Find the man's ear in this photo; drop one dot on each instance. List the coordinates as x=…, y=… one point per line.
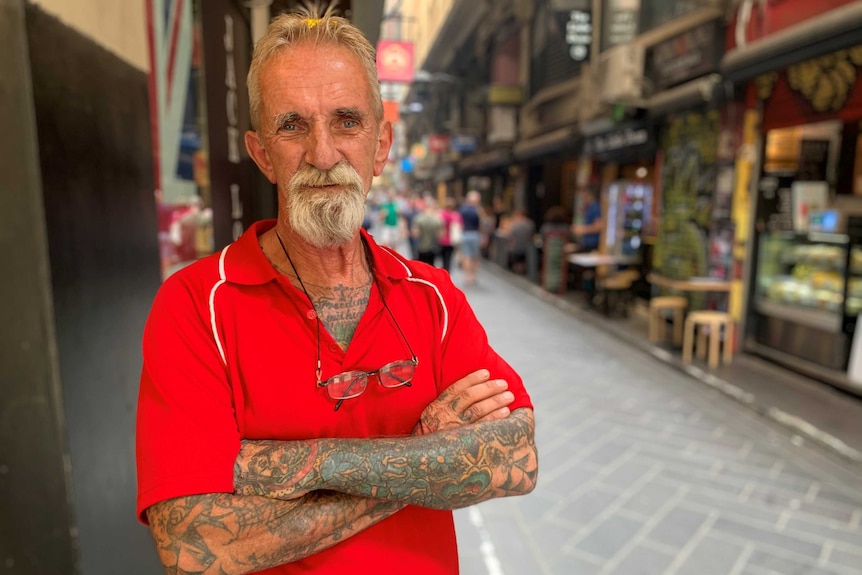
x=259, y=154
x=384, y=143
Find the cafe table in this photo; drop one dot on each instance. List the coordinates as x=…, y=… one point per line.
x=705, y=284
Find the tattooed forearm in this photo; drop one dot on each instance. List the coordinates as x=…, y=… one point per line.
x=225, y=534
x=444, y=470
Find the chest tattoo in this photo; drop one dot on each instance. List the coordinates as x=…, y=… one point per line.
x=340, y=309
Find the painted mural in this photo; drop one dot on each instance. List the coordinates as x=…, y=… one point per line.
x=689, y=175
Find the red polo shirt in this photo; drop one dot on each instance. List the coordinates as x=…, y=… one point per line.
x=230, y=353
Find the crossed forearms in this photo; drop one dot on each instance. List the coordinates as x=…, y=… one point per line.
x=466, y=448
x=224, y=534
x=448, y=469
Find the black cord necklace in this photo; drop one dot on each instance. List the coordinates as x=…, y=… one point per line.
x=365, y=249
x=318, y=371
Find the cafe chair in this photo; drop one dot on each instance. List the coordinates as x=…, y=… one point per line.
x=713, y=321
x=657, y=321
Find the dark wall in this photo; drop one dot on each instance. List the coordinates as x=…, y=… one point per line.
x=94, y=147
x=35, y=516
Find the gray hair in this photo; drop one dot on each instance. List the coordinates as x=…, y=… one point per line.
x=310, y=25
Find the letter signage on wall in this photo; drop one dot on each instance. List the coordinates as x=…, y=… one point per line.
x=227, y=54
x=579, y=34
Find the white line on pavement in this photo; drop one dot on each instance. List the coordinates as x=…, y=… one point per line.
x=486, y=545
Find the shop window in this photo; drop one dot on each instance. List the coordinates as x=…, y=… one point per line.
x=809, y=152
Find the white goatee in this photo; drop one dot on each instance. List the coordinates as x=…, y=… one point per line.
x=325, y=217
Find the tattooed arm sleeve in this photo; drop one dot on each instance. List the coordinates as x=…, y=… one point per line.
x=447, y=469
x=226, y=534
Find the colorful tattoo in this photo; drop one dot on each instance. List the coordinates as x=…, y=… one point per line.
x=224, y=534
x=445, y=470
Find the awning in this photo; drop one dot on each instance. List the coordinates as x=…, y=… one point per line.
x=547, y=143
x=686, y=95
x=834, y=30
x=486, y=160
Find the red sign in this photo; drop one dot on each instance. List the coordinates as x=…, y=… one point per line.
x=769, y=17
x=437, y=143
x=390, y=110
x=394, y=61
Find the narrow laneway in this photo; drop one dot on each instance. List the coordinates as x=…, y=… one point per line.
x=646, y=471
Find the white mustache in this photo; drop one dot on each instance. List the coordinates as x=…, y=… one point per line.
x=342, y=174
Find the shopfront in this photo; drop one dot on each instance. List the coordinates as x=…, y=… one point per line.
x=806, y=288
x=694, y=196
x=622, y=163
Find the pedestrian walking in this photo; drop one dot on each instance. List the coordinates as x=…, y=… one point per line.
x=472, y=237
x=427, y=227
x=452, y=234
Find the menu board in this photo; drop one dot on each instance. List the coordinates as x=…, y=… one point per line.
x=775, y=203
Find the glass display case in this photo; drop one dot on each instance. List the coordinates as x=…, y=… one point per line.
x=808, y=293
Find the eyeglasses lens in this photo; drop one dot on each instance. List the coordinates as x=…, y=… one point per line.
x=347, y=385
x=397, y=373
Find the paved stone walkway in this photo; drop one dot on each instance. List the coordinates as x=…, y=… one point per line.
x=646, y=471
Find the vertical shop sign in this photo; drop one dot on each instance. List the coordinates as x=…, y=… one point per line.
x=232, y=116
x=227, y=54
x=620, y=22
x=579, y=34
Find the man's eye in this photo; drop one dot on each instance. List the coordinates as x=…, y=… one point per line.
x=350, y=123
x=288, y=127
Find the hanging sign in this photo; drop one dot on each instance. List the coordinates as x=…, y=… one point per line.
x=579, y=34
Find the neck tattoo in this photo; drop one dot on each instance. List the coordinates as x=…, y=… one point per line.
x=338, y=307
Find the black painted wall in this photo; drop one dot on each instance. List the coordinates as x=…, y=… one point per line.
x=35, y=516
x=93, y=128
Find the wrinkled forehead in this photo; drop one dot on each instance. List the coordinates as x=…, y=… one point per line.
x=323, y=71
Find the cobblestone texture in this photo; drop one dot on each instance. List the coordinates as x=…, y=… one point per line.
x=646, y=471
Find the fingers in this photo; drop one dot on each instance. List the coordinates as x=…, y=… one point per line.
x=481, y=400
x=477, y=377
x=495, y=407
x=472, y=398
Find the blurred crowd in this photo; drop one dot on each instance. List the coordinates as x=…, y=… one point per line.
x=459, y=232
x=441, y=234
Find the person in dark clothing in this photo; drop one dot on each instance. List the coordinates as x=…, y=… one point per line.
x=472, y=238
x=589, y=232
x=426, y=229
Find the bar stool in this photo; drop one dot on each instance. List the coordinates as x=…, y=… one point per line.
x=659, y=304
x=714, y=320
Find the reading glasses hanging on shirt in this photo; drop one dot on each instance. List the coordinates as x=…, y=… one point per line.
x=350, y=384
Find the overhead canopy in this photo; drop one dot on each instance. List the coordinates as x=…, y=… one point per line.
x=836, y=29
x=547, y=143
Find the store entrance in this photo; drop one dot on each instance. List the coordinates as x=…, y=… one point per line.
x=807, y=288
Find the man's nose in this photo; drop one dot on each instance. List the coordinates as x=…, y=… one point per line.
x=321, y=151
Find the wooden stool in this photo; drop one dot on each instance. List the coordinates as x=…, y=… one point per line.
x=714, y=320
x=656, y=321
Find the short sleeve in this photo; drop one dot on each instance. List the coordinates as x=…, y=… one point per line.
x=187, y=438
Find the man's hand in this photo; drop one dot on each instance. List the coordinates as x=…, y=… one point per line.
x=471, y=399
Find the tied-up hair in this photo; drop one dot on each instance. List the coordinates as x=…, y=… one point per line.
x=311, y=23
